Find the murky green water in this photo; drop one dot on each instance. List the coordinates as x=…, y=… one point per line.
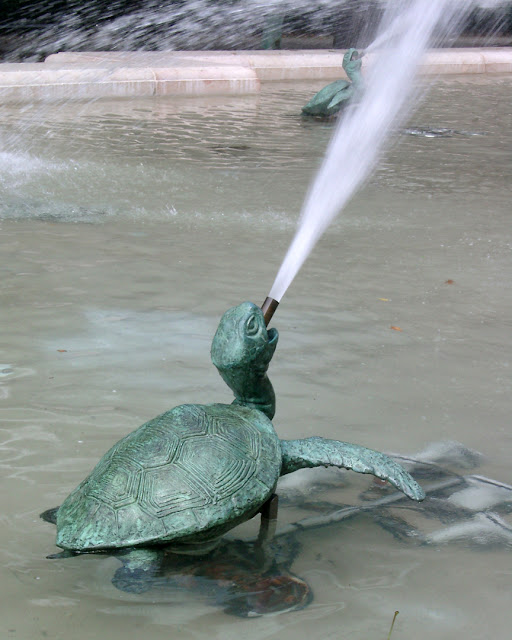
x=128, y=227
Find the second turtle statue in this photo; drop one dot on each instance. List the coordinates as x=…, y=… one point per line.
x=188, y=476
x=329, y=100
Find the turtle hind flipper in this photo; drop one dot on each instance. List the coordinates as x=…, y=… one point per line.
x=321, y=452
x=50, y=515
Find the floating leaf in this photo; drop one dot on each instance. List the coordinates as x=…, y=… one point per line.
x=450, y=281
x=395, y=328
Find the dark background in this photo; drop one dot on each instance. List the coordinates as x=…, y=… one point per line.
x=32, y=29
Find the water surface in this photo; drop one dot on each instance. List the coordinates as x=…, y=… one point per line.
x=128, y=227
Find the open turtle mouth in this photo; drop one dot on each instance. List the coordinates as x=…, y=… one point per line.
x=272, y=335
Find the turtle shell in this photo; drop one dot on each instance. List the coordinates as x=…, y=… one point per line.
x=189, y=475
x=320, y=103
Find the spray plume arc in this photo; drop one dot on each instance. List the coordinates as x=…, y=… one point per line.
x=361, y=134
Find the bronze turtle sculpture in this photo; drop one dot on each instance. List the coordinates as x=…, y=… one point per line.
x=188, y=476
x=329, y=100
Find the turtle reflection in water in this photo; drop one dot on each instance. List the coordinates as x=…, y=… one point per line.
x=233, y=577
x=245, y=578
x=185, y=478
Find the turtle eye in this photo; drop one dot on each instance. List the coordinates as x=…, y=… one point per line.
x=252, y=326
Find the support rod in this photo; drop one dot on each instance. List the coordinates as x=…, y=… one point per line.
x=268, y=308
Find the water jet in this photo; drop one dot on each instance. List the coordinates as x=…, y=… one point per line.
x=364, y=130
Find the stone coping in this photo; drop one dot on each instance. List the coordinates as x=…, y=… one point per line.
x=83, y=75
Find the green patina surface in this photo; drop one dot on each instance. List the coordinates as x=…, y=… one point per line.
x=189, y=475
x=329, y=100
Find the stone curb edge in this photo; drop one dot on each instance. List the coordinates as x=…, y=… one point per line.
x=88, y=75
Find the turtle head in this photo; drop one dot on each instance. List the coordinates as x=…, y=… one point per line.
x=242, y=349
x=352, y=62
x=242, y=340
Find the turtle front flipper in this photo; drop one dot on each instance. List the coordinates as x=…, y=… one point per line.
x=50, y=515
x=321, y=452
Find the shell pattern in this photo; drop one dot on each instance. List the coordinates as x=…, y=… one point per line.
x=190, y=475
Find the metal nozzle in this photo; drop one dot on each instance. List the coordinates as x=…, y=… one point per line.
x=268, y=308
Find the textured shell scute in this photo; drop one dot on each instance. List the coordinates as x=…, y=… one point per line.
x=191, y=469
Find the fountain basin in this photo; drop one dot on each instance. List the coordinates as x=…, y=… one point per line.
x=91, y=75
x=47, y=81
x=118, y=216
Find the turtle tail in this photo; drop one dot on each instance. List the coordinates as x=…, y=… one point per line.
x=320, y=452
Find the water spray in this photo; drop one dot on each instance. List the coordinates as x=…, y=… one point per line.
x=364, y=130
